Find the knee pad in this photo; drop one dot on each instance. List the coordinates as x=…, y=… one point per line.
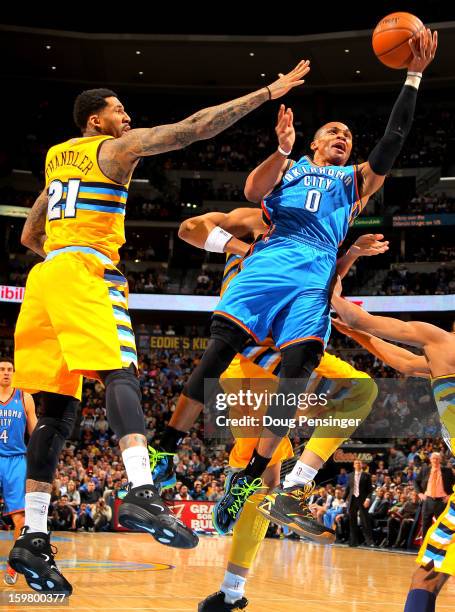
x=299, y=360
x=216, y=358
x=123, y=402
x=230, y=333
x=49, y=436
x=249, y=532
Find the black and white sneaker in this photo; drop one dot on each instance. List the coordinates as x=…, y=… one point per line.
x=216, y=603
x=143, y=509
x=33, y=556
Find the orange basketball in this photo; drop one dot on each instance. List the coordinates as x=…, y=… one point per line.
x=391, y=39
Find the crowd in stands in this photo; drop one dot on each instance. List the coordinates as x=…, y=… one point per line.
x=90, y=473
x=208, y=282
x=400, y=281
x=395, y=504
x=149, y=281
x=427, y=204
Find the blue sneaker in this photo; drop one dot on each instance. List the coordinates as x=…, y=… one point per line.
x=162, y=466
x=237, y=490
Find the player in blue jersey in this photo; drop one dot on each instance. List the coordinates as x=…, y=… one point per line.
x=285, y=279
x=17, y=411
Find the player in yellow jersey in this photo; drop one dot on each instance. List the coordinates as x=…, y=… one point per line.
x=255, y=366
x=74, y=319
x=436, y=557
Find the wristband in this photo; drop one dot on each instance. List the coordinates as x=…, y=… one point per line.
x=268, y=89
x=217, y=240
x=283, y=152
x=415, y=74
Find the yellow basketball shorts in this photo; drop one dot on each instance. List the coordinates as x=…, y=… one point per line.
x=439, y=543
x=73, y=322
x=242, y=373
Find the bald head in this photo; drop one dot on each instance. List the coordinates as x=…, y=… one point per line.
x=435, y=459
x=329, y=125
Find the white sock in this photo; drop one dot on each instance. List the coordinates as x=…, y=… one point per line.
x=36, y=507
x=300, y=475
x=137, y=465
x=233, y=587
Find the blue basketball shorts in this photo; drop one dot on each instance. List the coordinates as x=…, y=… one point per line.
x=282, y=288
x=13, y=471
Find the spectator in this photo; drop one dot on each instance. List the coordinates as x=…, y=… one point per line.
x=102, y=515
x=63, y=516
x=397, y=461
x=85, y=518
x=198, y=494
x=407, y=514
x=342, y=478
x=90, y=495
x=358, y=490
x=74, y=498
x=183, y=495
x=434, y=487
x=337, y=506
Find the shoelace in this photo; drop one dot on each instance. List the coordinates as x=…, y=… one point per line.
x=302, y=494
x=156, y=456
x=242, y=492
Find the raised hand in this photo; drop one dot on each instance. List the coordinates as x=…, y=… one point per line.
x=423, y=46
x=288, y=81
x=285, y=128
x=370, y=244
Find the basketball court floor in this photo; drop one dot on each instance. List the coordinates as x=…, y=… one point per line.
x=121, y=572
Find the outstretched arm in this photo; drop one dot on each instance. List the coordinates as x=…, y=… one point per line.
x=33, y=233
x=415, y=333
x=383, y=156
x=268, y=174
x=118, y=156
x=366, y=245
x=237, y=223
x=398, y=358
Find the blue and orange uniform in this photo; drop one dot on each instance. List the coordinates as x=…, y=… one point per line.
x=284, y=284
x=258, y=368
x=439, y=543
x=13, y=465
x=74, y=319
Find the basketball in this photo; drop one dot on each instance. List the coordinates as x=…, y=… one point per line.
x=391, y=39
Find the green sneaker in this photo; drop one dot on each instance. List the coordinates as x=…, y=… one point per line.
x=237, y=490
x=162, y=467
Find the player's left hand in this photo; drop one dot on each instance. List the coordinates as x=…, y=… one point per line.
x=423, y=46
x=290, y=80
x=369, y=244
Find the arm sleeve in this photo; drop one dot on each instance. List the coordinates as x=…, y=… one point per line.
x=384, y=154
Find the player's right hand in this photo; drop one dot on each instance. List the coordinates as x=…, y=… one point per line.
x=423, y=46
x=285, y=128
x=290, y=80
x=369, y=244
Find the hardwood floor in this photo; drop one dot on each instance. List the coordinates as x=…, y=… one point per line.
x=111, y=572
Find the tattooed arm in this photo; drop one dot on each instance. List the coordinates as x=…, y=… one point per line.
x=33, y=234
x=119, y=156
